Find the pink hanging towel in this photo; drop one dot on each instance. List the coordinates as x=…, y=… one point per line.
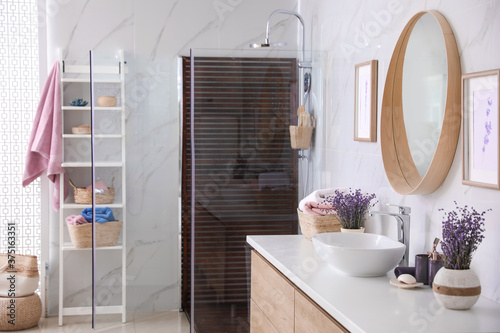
x=45, y=145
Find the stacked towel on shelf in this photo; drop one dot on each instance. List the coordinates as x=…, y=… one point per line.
x=313, y=203
x=102, y=214
x=76, y=220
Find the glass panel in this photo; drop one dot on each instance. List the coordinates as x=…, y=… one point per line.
x=245, y=175
x=109, y=221
x=75, y=264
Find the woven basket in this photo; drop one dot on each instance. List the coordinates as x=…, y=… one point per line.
x=82, y=129
x=311, y=225
x=24, y=311
x=106, y=101
x=18, y=274
x=106, y=234
x=84, y=196
x=23, y=264
x=300, y=136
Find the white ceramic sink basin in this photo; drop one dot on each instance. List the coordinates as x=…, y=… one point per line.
x=359, y=254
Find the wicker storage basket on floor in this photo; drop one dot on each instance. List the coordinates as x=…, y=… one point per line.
x=311, y=225
x=106, y=234
x=24, y=311
x=23, y=268
x=300, y=136
x=84, y=196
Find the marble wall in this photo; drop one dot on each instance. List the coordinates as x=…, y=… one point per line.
x=153, y=34
x=351, y=32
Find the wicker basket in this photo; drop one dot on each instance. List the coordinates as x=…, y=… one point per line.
x=82, y=129
x=311, y=225
x=84, y=196
x=300, y=136
x=106, y=234
x=106, y=101
x=25, y=311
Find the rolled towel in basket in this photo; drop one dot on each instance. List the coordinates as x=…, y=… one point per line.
x=99, y=185
x=318, y=196
x=102, y=214
x=76, y=220
x=318, y=209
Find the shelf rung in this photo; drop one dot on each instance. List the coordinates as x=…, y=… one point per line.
x=85, y=69
x=88, y=164
x=87, y=310
x=87, y=108
x=81, y=206
x=87, y=80
x=70, y=247
x=87, y=136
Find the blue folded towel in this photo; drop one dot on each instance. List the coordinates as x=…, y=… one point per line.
x=102, y=214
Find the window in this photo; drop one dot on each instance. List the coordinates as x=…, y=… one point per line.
x=19, y=93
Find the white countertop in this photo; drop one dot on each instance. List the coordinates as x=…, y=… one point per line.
x=369, y=304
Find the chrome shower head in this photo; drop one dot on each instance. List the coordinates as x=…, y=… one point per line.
x=267, y=43
x=302, y=63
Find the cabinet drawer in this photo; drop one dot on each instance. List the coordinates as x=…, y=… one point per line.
x=273, y=294
x=309, y=317
x=259, y=323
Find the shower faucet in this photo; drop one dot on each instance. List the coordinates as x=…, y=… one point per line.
x=267, y=41
x=403, y=220
x=302, y=64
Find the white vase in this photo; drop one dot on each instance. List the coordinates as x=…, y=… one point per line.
x=456, y=289
x=353, y=230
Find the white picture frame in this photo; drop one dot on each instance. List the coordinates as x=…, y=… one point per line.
x=365, y=101
x=481, y=135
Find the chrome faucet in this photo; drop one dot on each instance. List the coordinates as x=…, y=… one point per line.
x=403, y=219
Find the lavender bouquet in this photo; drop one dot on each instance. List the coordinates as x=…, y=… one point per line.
x=351, y=207
x=462, y=233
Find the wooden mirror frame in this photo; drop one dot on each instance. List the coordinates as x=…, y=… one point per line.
x=398, y=162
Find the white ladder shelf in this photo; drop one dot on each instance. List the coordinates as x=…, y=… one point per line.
x=80, y=74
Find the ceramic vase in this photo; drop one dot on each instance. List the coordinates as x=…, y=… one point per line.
x=456, y=289
x=353, y=230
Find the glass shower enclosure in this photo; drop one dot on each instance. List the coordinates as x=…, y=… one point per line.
x=240, y=175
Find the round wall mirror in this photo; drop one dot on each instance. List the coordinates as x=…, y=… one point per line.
x=420, y=118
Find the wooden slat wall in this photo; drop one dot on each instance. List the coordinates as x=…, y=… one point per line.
x=246, y=175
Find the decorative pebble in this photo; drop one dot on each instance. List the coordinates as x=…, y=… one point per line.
x=78, y=102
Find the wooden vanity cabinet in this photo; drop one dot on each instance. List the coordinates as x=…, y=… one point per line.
x=277, y=305
x=273, y=294
x=309, y=317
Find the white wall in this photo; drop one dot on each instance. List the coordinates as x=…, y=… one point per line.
x=152, y=33
x=355, y=31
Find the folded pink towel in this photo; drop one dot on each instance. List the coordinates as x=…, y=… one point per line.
x=45, y=145
x=318, y=209
x=76, y=220
x=98, y=185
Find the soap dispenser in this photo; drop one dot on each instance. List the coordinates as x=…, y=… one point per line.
x=436, y=262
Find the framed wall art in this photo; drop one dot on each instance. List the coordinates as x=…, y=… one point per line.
x=481, y=119
x=365, y=101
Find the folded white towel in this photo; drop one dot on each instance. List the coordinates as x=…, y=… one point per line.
x=319, y=195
